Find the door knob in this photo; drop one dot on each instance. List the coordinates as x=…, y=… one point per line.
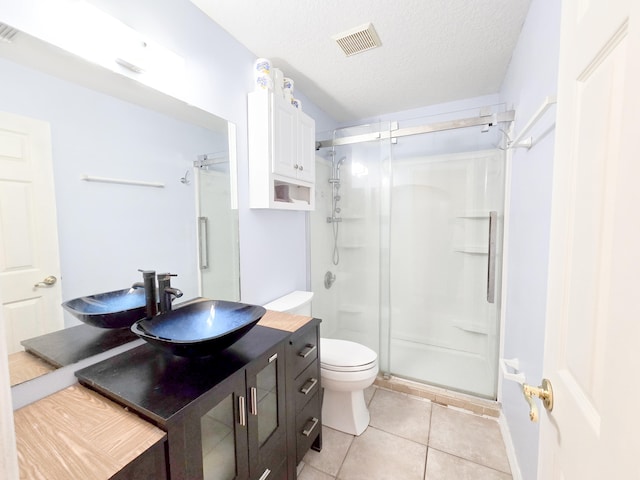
x=544, y=392
x=47, y=282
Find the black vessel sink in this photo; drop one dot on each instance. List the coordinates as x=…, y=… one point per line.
x=117, y=309
x=199, y=329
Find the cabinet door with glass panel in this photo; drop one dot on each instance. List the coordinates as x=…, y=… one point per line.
x=237, y=430
x=266, y=418
x=214, y=435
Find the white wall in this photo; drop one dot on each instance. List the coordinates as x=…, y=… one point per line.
x=532, y=75
x=217, y=79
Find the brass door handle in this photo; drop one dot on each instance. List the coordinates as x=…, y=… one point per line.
x=47, y=282
x=544, y=392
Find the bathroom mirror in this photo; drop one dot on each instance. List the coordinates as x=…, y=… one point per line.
x=146, y=205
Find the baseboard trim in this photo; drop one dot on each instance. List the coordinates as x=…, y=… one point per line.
x=511, y=451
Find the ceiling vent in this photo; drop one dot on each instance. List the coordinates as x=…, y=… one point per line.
x=7, y=33
x=357, y=40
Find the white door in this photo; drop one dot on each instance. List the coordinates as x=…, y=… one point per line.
x=28, y=231
x=592, y=348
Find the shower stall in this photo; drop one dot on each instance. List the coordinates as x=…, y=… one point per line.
x=406, y=244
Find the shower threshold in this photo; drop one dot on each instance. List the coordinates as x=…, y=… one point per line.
x=441, y=396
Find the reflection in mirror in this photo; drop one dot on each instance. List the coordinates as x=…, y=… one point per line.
x=107, y=231
x=217, y=222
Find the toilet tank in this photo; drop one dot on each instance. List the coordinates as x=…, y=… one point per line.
x=295, y=303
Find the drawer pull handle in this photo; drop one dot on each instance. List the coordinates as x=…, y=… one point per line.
x=307, y=387
x=308, y=429
x=306, y=351
x=265, y=474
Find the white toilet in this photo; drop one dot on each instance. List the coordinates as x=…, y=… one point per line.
x=346, y=369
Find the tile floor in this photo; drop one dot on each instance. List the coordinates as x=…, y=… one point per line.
x=411, y=438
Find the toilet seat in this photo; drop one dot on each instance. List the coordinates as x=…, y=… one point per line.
x=341, y=368
x=345, y=356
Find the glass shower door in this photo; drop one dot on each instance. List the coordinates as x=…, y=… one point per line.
x=444, y=316
x=218, y=239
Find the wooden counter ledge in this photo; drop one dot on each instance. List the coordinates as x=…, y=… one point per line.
x=23, y=366
x=283, y=321
x=78, y=434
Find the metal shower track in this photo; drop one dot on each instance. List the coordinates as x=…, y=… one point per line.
x=489, y=120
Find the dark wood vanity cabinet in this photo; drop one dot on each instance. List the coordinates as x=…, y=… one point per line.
x=250, y=412
x=151, y=465
x=236, y=430
x=304, y=393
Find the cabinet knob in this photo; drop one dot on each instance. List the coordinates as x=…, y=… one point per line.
x=301, y=167
x=296, y=166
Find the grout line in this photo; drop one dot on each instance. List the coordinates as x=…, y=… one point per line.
x=471, y=461
x=353, y=439
x=428, y=442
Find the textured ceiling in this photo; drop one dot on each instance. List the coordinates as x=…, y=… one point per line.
x=432, y=51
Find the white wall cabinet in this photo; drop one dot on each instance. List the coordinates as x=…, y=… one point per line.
x=281, y=154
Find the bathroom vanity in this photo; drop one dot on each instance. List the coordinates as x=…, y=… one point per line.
x=251, y=411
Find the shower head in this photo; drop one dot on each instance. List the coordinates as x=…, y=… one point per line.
x=340, y=162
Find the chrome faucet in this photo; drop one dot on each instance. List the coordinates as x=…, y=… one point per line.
x=166, y=291
x=150, y=295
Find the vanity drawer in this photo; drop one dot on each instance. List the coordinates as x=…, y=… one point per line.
x=306, y=385
x=308, y=426
x=305, y=349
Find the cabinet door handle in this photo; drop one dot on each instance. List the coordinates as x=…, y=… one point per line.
x=203, y=238
x=254, y=400
x=308, y=386
x=306, y=351
x=309, y=428
x=491, y=267
x=265, y=474
x=301, y=168
x=242, y=412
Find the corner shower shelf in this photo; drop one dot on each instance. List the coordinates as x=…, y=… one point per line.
x=472, y=249
x=472, y=327
x=351, y=309
x=473, y=214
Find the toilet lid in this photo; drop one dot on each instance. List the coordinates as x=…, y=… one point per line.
x=345, y=354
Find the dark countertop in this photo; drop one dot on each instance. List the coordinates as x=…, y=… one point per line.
x=159, y=385
x=68, y=346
